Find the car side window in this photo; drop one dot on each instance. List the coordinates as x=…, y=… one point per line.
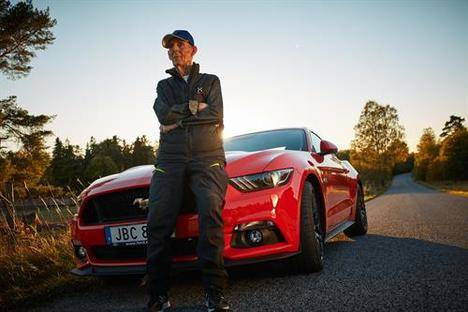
x=315, y=141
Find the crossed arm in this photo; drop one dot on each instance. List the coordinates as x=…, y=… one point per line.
x=171, y=117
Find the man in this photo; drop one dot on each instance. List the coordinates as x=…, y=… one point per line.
x=189, y=107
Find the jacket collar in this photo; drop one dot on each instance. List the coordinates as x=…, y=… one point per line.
x=193, y=72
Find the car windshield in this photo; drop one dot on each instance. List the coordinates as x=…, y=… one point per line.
x=291, y=139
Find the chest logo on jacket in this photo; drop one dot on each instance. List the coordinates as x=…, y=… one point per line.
x=200, y=94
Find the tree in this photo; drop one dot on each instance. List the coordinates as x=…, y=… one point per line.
x=100, y=166
x=23, y=29
x=6, y=169
x=378, y=128
x=103, y=158
x=427, y=151
x=142, y=152
x=127, y=154
x=373, y=150
x=35, y=158
x=454, y=151
x=18, y=125
x=398, y=151
x=66, y=165
x=30, y=161
x=446, y=160
x=453, y=125
x=406, y=166
x=399, y=155
x=111, y=148
x=89, y=153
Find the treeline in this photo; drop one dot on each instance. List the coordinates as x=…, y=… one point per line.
x=379, y=151
x=70, y=167
x=445, y=157
x=32, y=171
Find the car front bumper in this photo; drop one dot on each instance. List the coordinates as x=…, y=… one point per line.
x=279, y=206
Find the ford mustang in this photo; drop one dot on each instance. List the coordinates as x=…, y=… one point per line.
x=288, y=194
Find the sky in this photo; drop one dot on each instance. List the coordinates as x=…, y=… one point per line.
x=281, y=64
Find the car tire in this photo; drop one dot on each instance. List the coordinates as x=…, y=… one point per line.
x=312, y=239
x=360, y=224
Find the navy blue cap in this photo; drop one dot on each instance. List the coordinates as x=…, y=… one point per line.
x=180, y=34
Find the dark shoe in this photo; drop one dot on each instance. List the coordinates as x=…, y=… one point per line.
x=215, y=301
x=159, y=304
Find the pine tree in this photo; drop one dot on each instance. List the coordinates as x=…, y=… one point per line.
x=66, y=165
x=143, y=153
x=23, y=29
x=453, y=125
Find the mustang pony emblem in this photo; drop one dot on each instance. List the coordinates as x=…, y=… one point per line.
x=141, y=203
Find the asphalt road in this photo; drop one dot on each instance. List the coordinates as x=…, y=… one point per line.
x=414, y=258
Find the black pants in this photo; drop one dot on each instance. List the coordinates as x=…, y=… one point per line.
x=208, y=182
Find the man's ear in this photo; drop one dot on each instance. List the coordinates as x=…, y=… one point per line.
x=194, y=50
x=169, y=54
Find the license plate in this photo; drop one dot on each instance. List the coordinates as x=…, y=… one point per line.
x=134, y=234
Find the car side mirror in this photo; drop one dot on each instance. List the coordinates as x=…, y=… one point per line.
x=327, y=147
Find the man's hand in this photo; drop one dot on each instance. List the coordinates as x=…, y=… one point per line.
x=202, y=106
x=167, y=128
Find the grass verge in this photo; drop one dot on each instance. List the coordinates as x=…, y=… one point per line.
x=35, y=266
x=453, y=187
x=371, y=192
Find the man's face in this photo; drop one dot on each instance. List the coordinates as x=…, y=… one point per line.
x=181, y=52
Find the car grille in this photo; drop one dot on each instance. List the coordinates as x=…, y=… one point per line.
x=118, y=206
x=179, y=247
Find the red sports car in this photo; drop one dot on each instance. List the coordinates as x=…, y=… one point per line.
x=288, y=194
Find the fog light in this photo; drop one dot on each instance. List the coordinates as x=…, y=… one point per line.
x=256, y=233
x=81, y=252
x=254, y=237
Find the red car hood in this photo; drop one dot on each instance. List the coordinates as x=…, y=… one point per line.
x=238, y=164
x=243, y=163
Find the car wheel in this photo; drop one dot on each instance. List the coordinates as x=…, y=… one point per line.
x=360, y=225
x=312, y=243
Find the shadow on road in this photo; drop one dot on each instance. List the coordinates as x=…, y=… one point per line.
x=386, y=273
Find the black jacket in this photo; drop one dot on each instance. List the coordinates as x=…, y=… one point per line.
x=198, y=135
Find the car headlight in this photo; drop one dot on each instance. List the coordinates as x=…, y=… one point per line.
x=261, y=181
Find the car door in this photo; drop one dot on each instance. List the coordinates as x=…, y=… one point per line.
x=336, y=189
x=343, y=188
